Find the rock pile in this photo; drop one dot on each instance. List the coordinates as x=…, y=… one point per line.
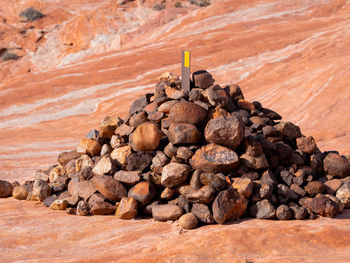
x=207, y=156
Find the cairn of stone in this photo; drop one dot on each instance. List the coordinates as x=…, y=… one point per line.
x=203, y=157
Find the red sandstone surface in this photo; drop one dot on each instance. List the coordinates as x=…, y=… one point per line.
x=87, y=59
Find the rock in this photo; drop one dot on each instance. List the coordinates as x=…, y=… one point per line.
x=228, y=131
x=217, y=96
x=202, y=79
x=297, y=189
x=332, y=186
x=109, y=187
x=174, y=93
x=83, y=208
x=287, y=177
x=143, y=192
x=156, y=116
x=42, y=175
x=343, y=194
x=228, y=205
x=289, y=130
x=49, y=200
x=167, y=193
x=20, y=192
x=127, y=208
x=170, y=150
x=158, y=162
x=183, y=133
x=66, y=157
x=286, y=192
x=59, y=204
x=128, y=177
x=213, y=158
x=41, y=190
x=82, y=162
x=283, y=212
x=88, y=146
x=30, y=14
x=72, y=200
x=121, y=154
x=56, y=172
x=336, y=165
x=187, y=112
x=263, y=210
x=138, y=161
x=166, y=106
x=202, y=212
x=323, y=206
x=234, y=91
x=138, y=118
x=152, y=107
x=102, y=208
x=139, y=104
x=299, y=213
x=269, y=131
x=256, y=163
x=269, y=178
x=124, y=130
x=166, y=212
x=184, y=153
x=306, y=144
x=83, y=189
x=314, y=188
x=174, y=174
x=188, y=221
x=204, y=195
x=106, y=149
x=195, y=95
x=245, y=105
x=252, y=146
x=105, y=165
x=195, y=180
x=71, y=210
x=146, y=137
x=93, y=135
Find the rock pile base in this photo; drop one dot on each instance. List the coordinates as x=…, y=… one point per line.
x=203, y=157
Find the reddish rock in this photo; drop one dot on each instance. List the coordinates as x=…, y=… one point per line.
x=228, y=131
x=66, y=157
x=167, y=193
x=228, y=205
x=124, y=130
x=204, y=195
x=256, y=163
x=89, y=147
x=82, y=162
x=174, y=174
x=146, y=137
x=137, y=119
x=187, y=112
x=109, y=187
x=127, y=208
x=286, y=192
x=142, y=192
x=244, y=186
x=314, y=188
x=202, y=212
x=6, y=189
x=336, y=165
x=323, y=206
x=202, y=79
x=298, y=212
x=306, y=144
x=289, y=130
x=20, y=192
x=213, y=158
x=235, y=92
x=166, y=212
x=188, y=221
x=166, y=106
x=158, y=162
x=283, y=212
x=245, y=105
x=102, y=208
x=128, y=177
x=174, y=93
x=217, y=96
x=332, y=186
x=105, y=149
x=108, y=126
x=156, y=116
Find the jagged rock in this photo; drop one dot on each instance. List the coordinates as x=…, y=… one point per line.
x=332, y=186
x=187, y=112
x=202, y=79
x=263, y=210
x=314, y=188
x=323, y=206
x=216, y=181
x=336, y=165
x=138, y=161
x=56, y=172
x=109, y=187
x=105, y=165
x=66, y=157
x=41, y=190
x=146, y=137
x=343, y=194
x=158, y=162
x=228, y=205
x=217, y=96
x=228, y=131
x=289, y=130
x=256, y=163
x=139, y=104
x=297, y=189
x=83, y=208
x=202, y=212
x=88, y=146
x=142, y=192
x=121, y=154
x=184, y=153
x=306, y=144
x=234, y=91
x=127, y=208
x=283, y=212
x=166, y=212
x=82, y=162
x=188, y=221
x=83, y=189
x=128, y=177
x=183, y=133
x=59, y=204
x=286, y=192
x=174, y=174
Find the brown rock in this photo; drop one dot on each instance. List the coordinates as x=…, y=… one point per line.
x=256, y=163
x=49, y=200
x=152, y=107
x=245, y=105
x=43, y=175
x=332, y=186
x=82, y=162
x=108, y=126
x=83, y=189
x=167, y=193
x=142, y=192
x=20, y=192
x=202, y=79
x=83, y=208
x=298, y=212
x=109, y=187
x=174, y=174
x=166, y=212
x=139, y=104
x=323, y=206
x=89, y=147
x=59, y=204
x=170, y=150
x=174, y=93
x=217, y=113
x=121, y=154
x=124, y=130
x=127, y=208
x=128, y=177
x=105, y=165
x=235, y=92
x=343, y=194
x=228, y=131
x=155, y=116
x=228, y=205
x=297, y=189
x=56, y=172
x=137, y=119
x=244, y=186
x=184, y=153
x=213, y=158
x=336, y=165
x=66, y=157
x=217, y=96
x=314, y=188
x=306, y=144
x=202, y=212
x=195, y=180
x=188, y=221
x=289, y=130
x=283, y=212
x=286, y=192
x=182, y=133
x=187, y=112
x=138, y=161
x=102, y=208
x=263, y=210
x=216, y=181
x=158, y=162
x=166, y=106
x=106, y=149
x=146, y=137
x=204, y=195
x=41, y=190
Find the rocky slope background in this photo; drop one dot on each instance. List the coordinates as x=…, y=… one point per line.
x=85, y=59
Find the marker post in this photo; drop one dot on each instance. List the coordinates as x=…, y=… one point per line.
x=185, y=80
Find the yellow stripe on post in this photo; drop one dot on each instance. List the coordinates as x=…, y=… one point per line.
x=187, y=59
x=186, y=62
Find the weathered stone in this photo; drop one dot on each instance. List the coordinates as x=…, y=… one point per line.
x=166, y=212
x=83, y=189
x=204, y=195
x=286, y=177
x=202, y=79
x=336, y=165
x=332, y=186
x=102, y=208
x=263, y=210
x=174, y=93
x=41, y=190
x=152, y=107
x=216, y=181
x=170, y=150
x=202, y=212
x=47, y=202
x=184, y=153
x=306, y=144
x=128, y=177
x=138, y=161
x=297, y=189
x=187, y=112
x=245, y=105
x=127, y=208
x=142, y=192
x=286, y=192
x=121, y=154
x=42, y=175
x=323, y=206
x=256, y=163
x=228, y=131
x=269, y=131
x=105, y=165
x=269, y=178
x=183, y=133
x=109, y=187
x=59, y=204
x=56, y=172
x=82, y=162
x=139, y=104
x=289, y=130
x=124, y=130
x=228, y=205
x=283, y=212
x=20, y=192
x=146, y=137
x=106, y=149
x=298, y=212
x=108, y=126
x=66, y=157
x=265, y=191
x=167, y=193
x=93, y=135
x=195, y=94
x=59, y=184
x=159, y=161
x=213, y=158
x=343, y=194
x=83, y=208
x=235, y=92
x=314, y=188
x=166, y=106
x=156, y=116
x=89, y=147
x=137, y=119
x=188, y=221
x=72, y=200
x=217, y=96
x=174, y=174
